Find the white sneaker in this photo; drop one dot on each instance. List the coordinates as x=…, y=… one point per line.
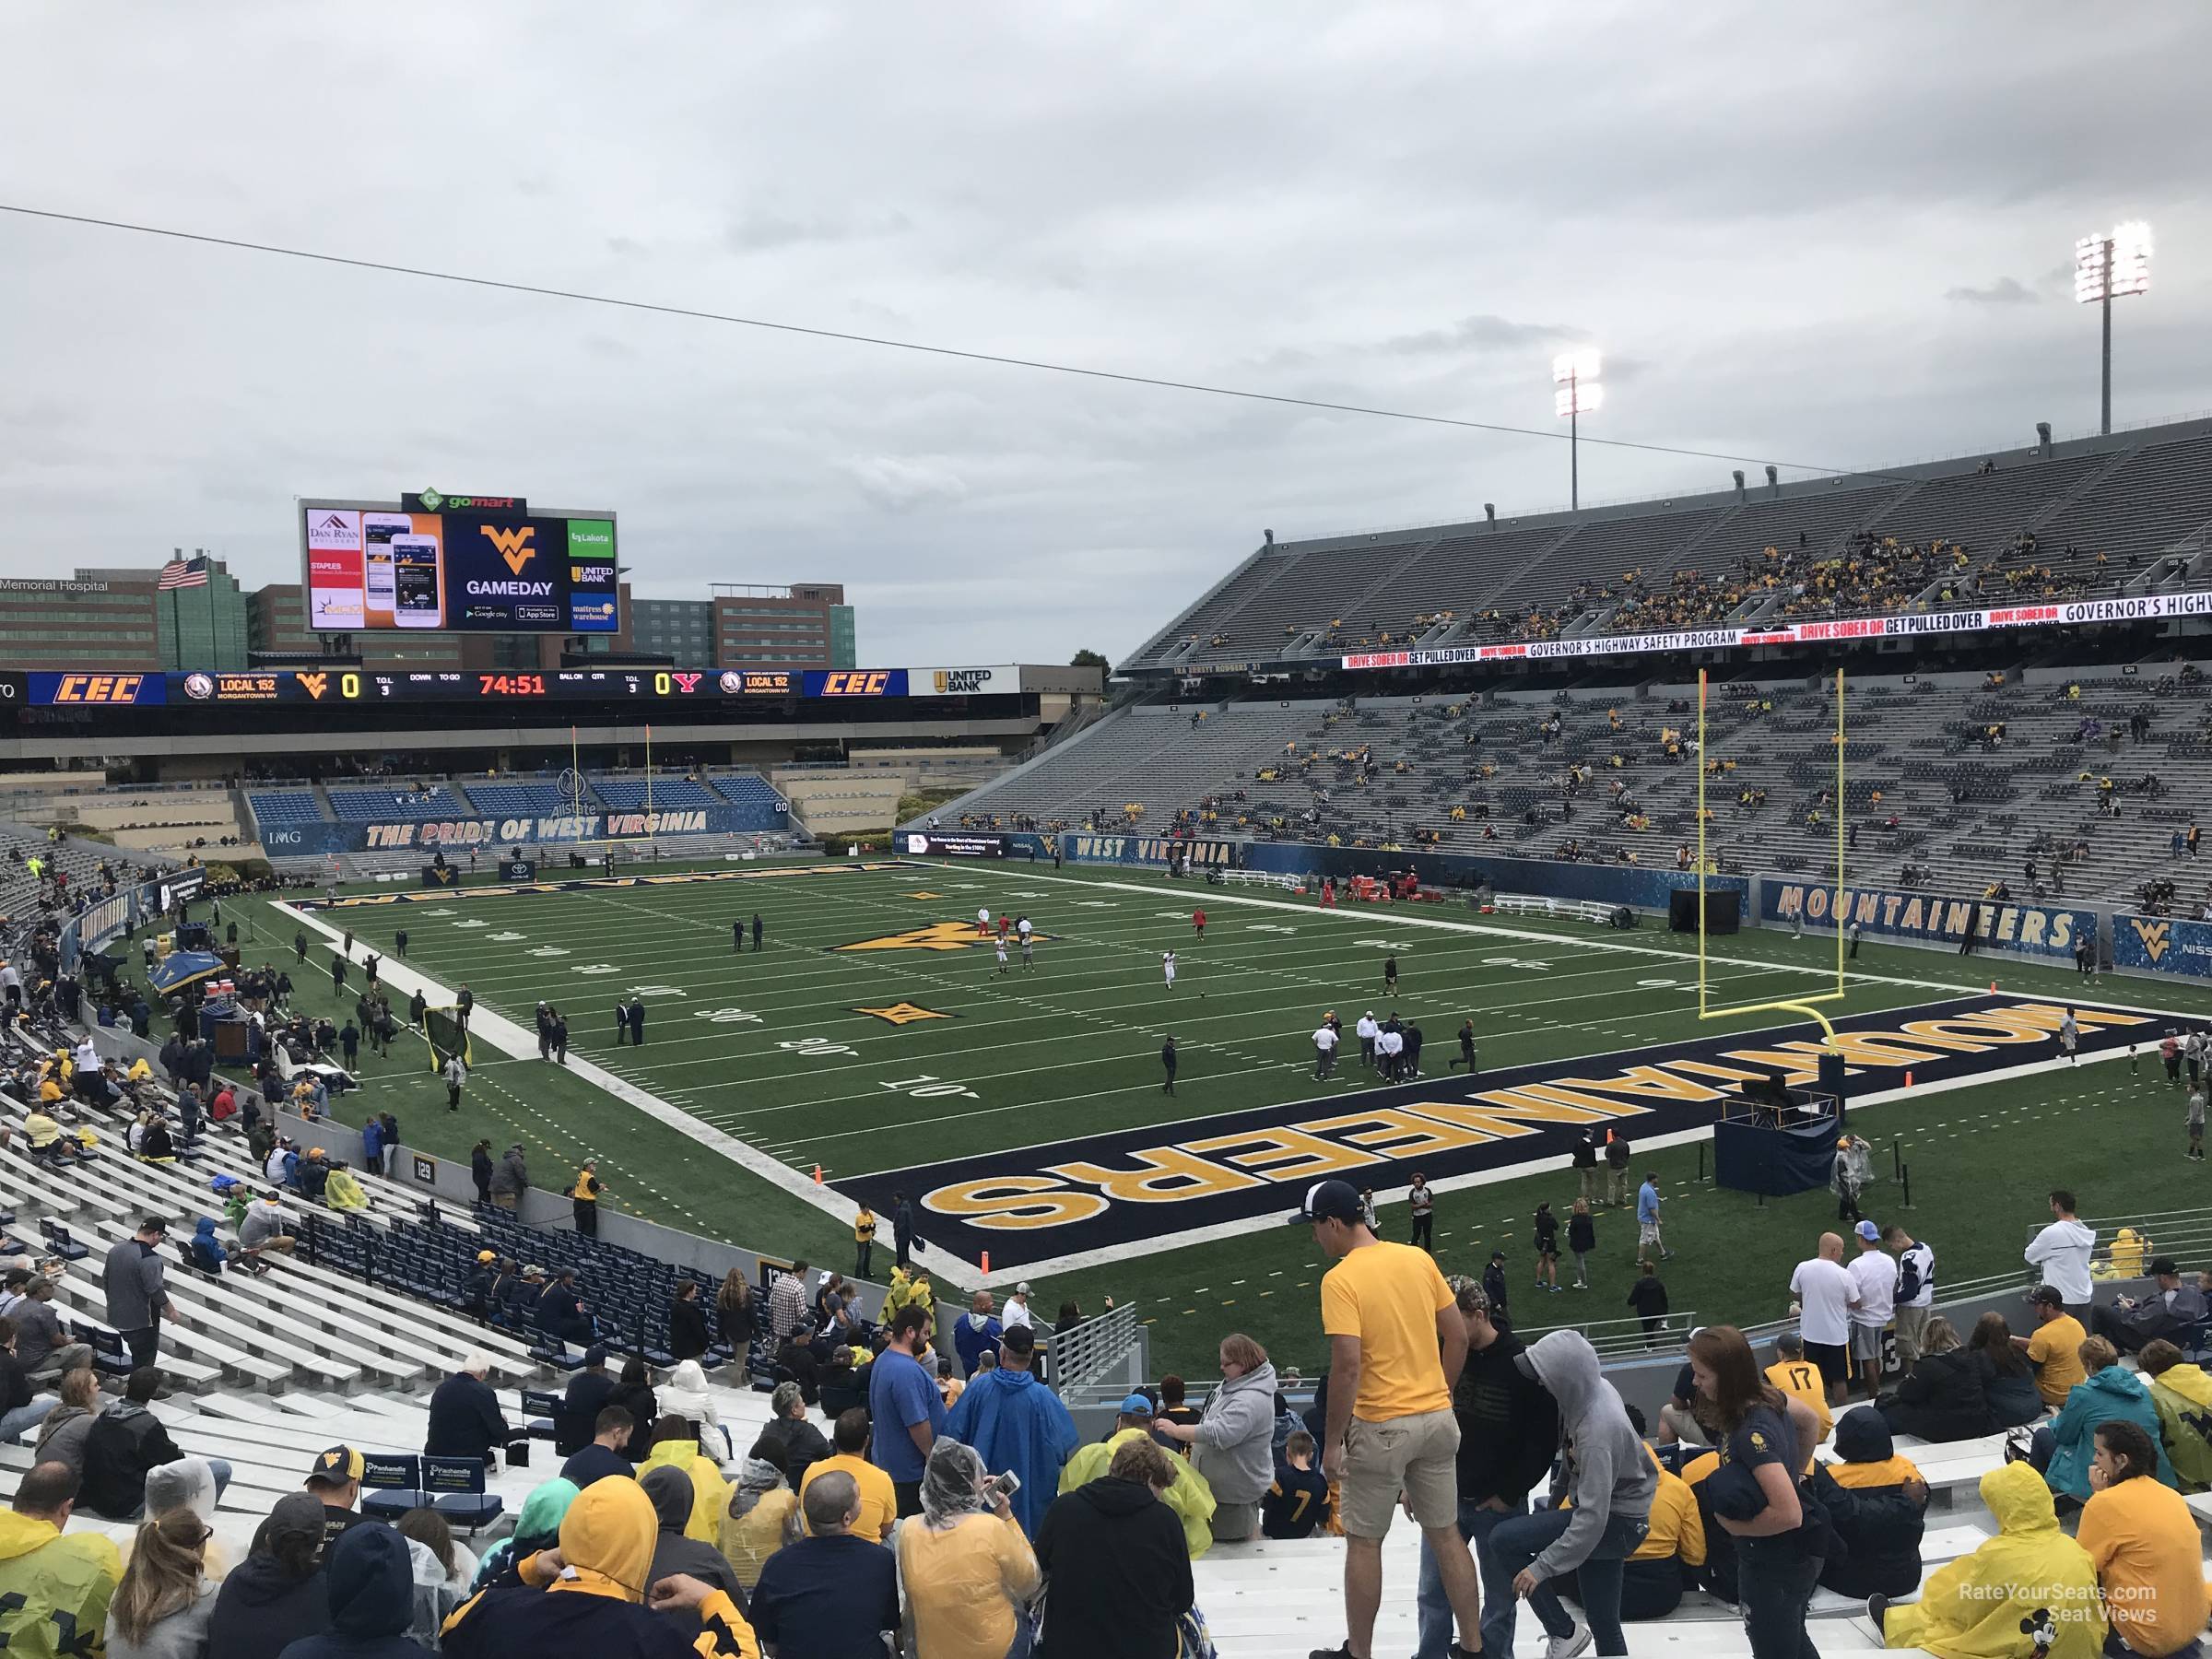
x=1568, y=1647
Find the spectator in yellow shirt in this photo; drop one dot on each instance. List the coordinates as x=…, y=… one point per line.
x=878, y=1503
x=2055, y=1349
x=1800, y=1379
x=2143, y=1541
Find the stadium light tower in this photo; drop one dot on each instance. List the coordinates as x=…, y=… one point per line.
x=2109, y=266
x=1575, y=375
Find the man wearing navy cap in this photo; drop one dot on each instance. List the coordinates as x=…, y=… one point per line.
x=1396, y=1345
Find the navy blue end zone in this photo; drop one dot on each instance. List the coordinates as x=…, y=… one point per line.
x=1247, y=1168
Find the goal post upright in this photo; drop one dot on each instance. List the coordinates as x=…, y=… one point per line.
x=1806, y=1006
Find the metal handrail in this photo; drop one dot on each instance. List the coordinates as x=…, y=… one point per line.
x=1083, y=1353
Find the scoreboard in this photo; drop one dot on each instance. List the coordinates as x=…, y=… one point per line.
x=95, y=688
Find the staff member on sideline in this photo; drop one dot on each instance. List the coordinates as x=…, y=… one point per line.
x=585, y=1198
x=1396, y=1346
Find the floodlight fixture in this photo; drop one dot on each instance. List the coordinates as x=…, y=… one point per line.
x=2111, y=265
x=1574, y=373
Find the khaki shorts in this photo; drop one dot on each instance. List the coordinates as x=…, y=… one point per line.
x=1416, y=1456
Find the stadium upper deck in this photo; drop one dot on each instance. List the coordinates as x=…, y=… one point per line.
x=2127, y=514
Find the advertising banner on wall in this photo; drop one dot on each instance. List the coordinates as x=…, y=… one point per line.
x=2046, y=930
x=961, y=682
x=2145, y=607
x=2162, y=945
x=1151, y=850
x=457, y=563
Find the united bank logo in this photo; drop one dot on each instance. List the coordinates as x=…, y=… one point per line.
x=2156, y=937
x=516, y=543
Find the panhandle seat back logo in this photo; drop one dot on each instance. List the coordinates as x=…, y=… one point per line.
x=2156, y=937
x=515, y=542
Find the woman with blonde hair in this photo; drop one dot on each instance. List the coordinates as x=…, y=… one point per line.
x=735, y=1316
x=162, y=1604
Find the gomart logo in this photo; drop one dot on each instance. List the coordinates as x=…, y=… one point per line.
x=2156, y=937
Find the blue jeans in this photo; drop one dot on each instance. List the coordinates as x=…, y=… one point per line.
x=1773, y=1583
x=1522, y=1538
x=1475, y=1525
x=16, y=1424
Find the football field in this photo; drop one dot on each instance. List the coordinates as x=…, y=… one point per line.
x=876, y=1038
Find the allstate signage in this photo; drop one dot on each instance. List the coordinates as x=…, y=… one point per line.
x=2162, y=945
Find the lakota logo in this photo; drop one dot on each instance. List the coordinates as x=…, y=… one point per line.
x=903, y=1013
x=516, y=543
x=2156, y=937
x=937, y=936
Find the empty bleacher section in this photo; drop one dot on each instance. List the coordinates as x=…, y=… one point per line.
x=526, y=800
x=397, y=802
x=285, y=807
x=2130, y=498
x=660, y=793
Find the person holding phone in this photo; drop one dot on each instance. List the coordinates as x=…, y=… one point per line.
x=970, y=1574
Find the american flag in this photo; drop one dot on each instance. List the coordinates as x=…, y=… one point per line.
x=182, y=573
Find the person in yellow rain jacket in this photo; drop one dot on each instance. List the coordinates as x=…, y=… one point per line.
x=1973, y=1608
x=675, y=1446
x=342, y=1192
x=1191, y=1498
x=2183, y=1394
x=585, y=1198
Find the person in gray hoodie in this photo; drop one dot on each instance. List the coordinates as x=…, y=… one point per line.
x=671, y=1492
x=511, y=1180
x=1232, y=1446
x=1609, y=1476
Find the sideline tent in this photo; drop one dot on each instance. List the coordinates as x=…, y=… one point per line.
x=182, y=968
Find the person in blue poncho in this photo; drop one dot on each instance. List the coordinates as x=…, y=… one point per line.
x=1015, y=1423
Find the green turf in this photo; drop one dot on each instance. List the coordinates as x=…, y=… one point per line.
x=769, y=1048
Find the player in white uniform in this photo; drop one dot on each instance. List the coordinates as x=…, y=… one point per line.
x=1167, y=966
x=982, y=923
x=1001, y=956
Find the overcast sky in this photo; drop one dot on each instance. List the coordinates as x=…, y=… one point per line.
x=1797, y=238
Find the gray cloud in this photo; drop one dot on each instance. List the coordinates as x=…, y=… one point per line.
x=2005, y=290
x=1480, y=332
x=901, y=484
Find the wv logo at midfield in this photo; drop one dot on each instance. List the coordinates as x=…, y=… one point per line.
x=2156, y=937
x=937, y=936
x=516, y=543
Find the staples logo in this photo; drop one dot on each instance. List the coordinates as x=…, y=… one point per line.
x=515, y=542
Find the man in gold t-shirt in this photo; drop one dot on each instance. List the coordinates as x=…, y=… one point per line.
x=1397, y=1344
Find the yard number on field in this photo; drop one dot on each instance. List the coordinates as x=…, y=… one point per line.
x=926, y=1087
x=1528, y=964
x=816, y=1048
x=726, y=1015
x=643, y=990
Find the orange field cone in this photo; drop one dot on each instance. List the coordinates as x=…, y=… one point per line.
x=817, y=1174
x=986, y=1264
x=1908, y=1079
x=1993, y=987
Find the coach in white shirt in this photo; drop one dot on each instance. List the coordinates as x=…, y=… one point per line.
x=1389, y=1045
x=2060, y=1253
x=1366, y=1030
x=1877, y=1277
x=1825, y=1292
x=1324, y=1052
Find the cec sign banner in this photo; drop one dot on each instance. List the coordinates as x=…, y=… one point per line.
x=479, y=564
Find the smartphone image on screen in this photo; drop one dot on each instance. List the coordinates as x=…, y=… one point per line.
x=377, y=529
x=416, y=582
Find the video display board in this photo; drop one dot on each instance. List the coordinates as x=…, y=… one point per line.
x=457, y=564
